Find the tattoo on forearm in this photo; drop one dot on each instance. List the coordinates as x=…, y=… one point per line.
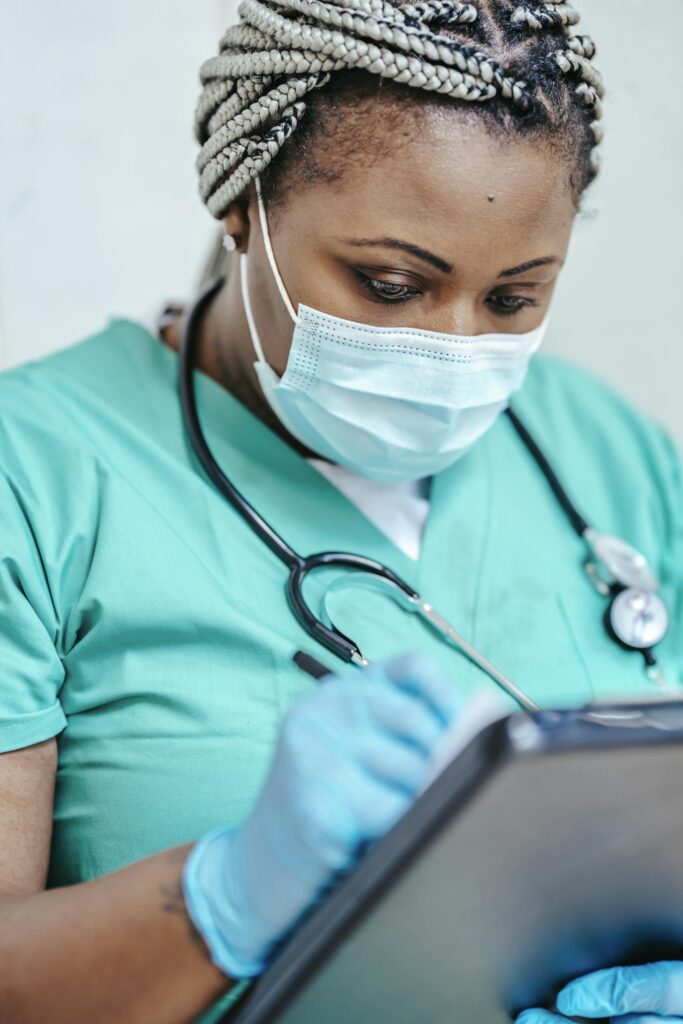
x=174, y=903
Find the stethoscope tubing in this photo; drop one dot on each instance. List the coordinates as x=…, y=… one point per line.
x=301, y=567
x=190, y=335
x=577, y=521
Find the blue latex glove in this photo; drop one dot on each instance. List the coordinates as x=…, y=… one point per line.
x=349, y=760
x=629, y=995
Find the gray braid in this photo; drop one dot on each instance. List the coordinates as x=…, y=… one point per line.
x=575, y=60
x=555, y=12
x=255, y=90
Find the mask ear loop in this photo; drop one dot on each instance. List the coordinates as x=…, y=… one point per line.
x=244, y=279
x=271, y=255
x=251, y=323
x=246, y=302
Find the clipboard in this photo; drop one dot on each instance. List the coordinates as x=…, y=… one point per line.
x=550, y=846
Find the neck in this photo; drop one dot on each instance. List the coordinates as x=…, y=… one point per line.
x=225, y=353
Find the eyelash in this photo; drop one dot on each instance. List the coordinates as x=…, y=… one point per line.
x=519, y=302
x=502, y=305
x=375, y=288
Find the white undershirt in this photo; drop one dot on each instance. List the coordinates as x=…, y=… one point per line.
x=399, y=510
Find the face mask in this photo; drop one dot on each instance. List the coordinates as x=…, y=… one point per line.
x=394, y=404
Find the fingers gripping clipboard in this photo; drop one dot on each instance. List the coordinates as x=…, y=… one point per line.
x=549, y=846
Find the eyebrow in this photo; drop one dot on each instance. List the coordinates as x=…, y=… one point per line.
x=438, y=261
x=531, y=265
x=414, y=250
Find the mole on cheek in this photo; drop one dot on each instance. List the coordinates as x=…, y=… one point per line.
x=491, y=198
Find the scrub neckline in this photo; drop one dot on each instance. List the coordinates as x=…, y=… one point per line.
x=398, y=559
x=472, y=474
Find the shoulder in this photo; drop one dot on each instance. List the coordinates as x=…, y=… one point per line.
x=68, y=422
x=621, y=467
x=61, y=416
x=564, y=395
x=63, y=400
x=586, y=420
x=98, y=363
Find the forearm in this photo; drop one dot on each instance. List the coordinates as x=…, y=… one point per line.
x=117, y=950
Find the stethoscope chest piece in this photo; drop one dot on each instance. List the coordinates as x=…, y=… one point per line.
x=638, y=619
x=616, y=562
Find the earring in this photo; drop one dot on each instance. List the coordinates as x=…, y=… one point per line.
x=229, y=243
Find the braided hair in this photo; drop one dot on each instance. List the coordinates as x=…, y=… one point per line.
x=522, y=67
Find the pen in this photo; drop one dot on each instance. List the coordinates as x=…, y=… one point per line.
x=307, y=663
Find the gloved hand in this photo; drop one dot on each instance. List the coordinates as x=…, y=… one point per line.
x=349, y=760
x=630, y=995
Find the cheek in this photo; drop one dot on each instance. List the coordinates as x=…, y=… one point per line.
x=273, y=322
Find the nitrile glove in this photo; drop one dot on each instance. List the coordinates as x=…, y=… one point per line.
x=651, y=994
x=349, y=760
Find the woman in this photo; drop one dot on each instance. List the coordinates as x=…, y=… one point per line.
x=400, y=185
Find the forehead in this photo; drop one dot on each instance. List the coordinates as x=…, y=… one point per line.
x=453, y=187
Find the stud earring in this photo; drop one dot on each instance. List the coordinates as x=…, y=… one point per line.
x=229, y=243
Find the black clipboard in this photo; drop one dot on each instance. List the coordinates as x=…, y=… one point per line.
x=550, y=846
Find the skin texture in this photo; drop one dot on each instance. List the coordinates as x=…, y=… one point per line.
x=118, y=950
x=507, y=203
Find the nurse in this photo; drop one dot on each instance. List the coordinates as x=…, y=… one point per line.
x=398, y=186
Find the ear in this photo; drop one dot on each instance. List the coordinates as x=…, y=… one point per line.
x=236, y=223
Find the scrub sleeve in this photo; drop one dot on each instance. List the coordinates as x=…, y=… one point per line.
x=48, y=503
x=32, y=672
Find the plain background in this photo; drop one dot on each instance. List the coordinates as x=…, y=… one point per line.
x=99, y=213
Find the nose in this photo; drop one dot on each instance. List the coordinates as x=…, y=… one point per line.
x=461, y=316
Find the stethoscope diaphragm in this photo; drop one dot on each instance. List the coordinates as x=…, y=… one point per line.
x=638, y=619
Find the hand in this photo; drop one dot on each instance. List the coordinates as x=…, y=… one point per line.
x=628, y=995
x=349, y=760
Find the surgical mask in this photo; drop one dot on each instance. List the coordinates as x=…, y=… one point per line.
x=391, y=403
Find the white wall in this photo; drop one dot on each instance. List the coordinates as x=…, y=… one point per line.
x=618, y=309
x=99, y=212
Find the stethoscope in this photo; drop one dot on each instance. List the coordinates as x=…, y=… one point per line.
x=636, y=617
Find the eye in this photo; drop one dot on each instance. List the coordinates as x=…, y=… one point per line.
x=508, y=305
x=386, y=291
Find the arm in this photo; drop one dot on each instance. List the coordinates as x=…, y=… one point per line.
x=117, y=949
x=350, y=759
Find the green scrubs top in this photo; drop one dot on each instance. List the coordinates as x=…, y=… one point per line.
x=144, y=623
